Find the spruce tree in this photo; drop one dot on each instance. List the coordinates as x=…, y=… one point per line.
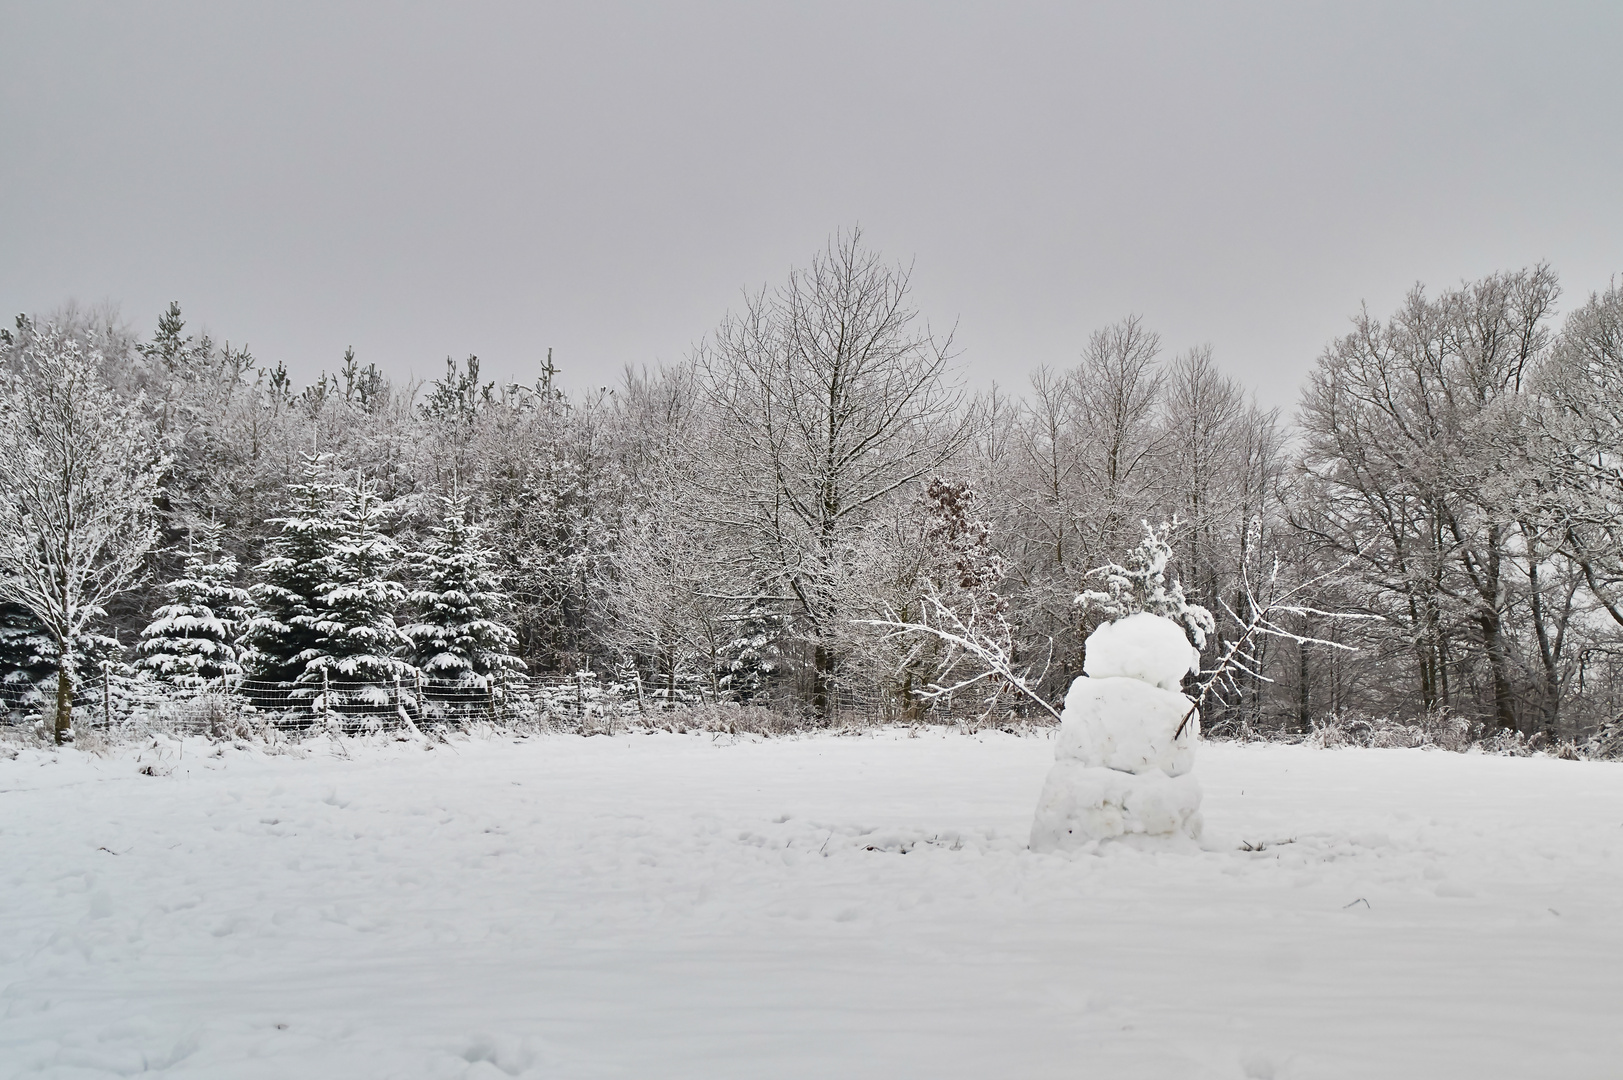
x=282, y=636
x=459, y=638
x=192, y=640
x=356, y=602
x=27, y=658
x=753, y=657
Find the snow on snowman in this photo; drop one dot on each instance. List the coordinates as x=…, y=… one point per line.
x=1128, y=733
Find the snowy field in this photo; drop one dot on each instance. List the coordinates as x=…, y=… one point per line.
x=674, y=906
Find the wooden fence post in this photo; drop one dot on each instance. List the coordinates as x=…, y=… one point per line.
x=107, y=693
x=326, y=700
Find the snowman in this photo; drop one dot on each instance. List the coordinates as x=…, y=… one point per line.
x=1126, y=743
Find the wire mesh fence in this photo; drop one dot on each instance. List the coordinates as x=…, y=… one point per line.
x=582, y=700
x=118, y=698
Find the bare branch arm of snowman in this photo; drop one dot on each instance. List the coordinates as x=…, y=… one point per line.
x=965, y=641
x=1262, y=620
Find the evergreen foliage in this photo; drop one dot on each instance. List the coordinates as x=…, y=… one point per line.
x=1142, y=585
x=172, y=350
x=753, y=657
x=355, y=603
x=460, y=637
x=457, y=398
x=27, y=655
x=192, y=640
x=28, y=659
x=283, y=635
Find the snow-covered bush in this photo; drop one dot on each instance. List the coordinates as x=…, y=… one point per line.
x=221, y=716
x=1607, y=743
x=728, y=717
x=1441, y=730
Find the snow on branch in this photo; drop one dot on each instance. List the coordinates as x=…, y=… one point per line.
x=1142, y=585
x=1263, y=604
x=976, y=641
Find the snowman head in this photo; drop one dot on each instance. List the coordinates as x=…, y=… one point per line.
x=1145, y=647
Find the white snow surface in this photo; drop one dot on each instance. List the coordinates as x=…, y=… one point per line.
x=1125, y=724
x=1146, y=647
x=682, y=906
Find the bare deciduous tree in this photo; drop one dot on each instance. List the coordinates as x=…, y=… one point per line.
x=80, y=471
x=831, y=398
x=1414, y=463
x=1118, y=389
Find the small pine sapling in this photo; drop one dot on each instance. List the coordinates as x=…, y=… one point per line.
x=1142, y=585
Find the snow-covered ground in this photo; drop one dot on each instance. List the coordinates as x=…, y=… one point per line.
x=677, y=906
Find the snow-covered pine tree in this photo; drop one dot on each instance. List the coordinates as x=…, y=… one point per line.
x=460, y=638
x=753, y=657
x=282, y=637
x=28, y=655
x=27, y=658
x=356, y=602
x=192, y=640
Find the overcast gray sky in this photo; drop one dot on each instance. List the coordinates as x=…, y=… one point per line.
x=424, y=180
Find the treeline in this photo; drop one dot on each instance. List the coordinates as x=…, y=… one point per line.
x=751, y=523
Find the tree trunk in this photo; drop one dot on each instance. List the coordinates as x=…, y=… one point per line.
x=1425, y=654
x=1504, y=711
x=823, y=674
x=1304, y=713
x=64, y=698
x=1484, y=572
x=1549, y=649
